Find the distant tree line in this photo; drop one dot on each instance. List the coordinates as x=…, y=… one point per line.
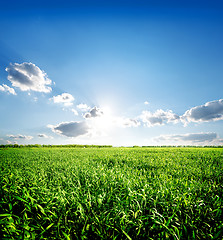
x=94, y=146
x=53, y=146
x=182, y=146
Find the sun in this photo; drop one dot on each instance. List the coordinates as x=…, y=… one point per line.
x=104, y=122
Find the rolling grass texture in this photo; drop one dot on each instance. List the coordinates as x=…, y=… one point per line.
x=111, y=193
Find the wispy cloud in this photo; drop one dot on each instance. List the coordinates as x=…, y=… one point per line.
x=65, y=98
x=74, y=111
x=28, y=77
x=19, y=136
x=10, y=142
x=5, y=88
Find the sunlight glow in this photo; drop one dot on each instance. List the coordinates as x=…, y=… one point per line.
x=104, y=122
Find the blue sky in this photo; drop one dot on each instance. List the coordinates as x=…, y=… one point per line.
x=111, y=72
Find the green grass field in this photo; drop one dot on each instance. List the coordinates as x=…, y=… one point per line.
x=111, y=193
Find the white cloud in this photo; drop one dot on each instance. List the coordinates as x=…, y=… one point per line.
x=70, y=129
x=19, y=136
x=210, y=111
x=209, y=138
x=74, y=111
x=65, y=98
x=5, y=88
x=146, y=103
x=83, y=107
x=94, y=112
x=159, y=117
x=27, y=77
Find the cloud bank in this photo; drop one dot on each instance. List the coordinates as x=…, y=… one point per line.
x=191, y=138
x=5, y=88
x=210, y=111
x=65, y=98
x=28, y=77
x=70, y=129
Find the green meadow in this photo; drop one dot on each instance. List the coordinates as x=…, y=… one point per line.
x=111, y=193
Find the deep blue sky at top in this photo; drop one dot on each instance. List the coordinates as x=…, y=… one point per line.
x=160, y=39
x=118, y=53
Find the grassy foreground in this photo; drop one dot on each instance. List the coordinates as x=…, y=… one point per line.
x=111, y=193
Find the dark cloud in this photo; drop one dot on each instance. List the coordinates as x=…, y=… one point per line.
x=70, y=129
x=210, y=111
x=18, y=78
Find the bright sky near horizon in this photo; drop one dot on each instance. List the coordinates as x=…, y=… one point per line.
x=111, y=72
